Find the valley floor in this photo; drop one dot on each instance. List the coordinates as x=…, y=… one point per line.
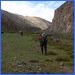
x=22, y=54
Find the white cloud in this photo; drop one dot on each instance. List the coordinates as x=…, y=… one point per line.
x=27, y=8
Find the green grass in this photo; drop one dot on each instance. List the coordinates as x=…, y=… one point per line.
x=22, y=54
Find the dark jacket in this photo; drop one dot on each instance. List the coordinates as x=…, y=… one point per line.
x=43, y=40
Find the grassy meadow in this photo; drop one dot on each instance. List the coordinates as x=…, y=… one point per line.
x=22, y=54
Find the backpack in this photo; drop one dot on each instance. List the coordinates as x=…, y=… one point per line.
x=40, y=37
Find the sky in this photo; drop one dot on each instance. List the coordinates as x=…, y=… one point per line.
x=43, y=9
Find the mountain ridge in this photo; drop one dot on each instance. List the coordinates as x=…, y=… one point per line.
x=20, y=22
x=61, y=23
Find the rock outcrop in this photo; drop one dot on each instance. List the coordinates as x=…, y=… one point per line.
x=63, y=19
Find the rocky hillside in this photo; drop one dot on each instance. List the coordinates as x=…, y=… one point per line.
x=14, y=22
x=63, y=19
x=41, y=23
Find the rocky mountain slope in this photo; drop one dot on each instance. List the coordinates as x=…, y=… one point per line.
x=63, y=19
x=41, y=23
x=15, y=22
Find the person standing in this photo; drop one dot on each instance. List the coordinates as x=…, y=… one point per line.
x=43, y=43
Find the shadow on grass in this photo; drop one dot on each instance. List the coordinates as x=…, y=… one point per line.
x=62, y=59
x=34, y=61
x=52, y=53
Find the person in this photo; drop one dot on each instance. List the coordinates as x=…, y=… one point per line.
x=43, y=43
x=21, y=33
